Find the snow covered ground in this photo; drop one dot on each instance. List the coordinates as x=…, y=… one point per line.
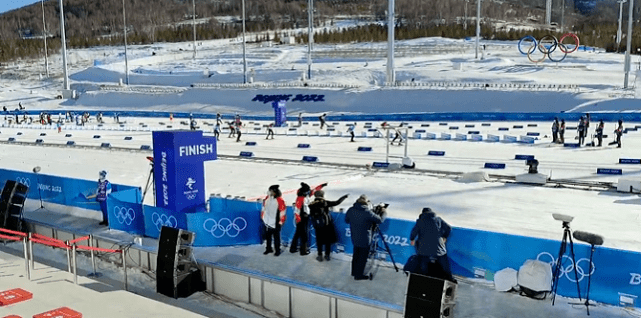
x=495, y=206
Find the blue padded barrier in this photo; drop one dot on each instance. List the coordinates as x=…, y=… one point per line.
x=570, y=128
x=517, y=126
x=430, y=135
x=419, y=130
x=303, y=146
x=453, y=128
x=476, y=137
x=128, y=138
x=523, y=157
x=629, y=161
x=257, y=128
x=19, y=133
x=425, y=125
x=246, y=154
x=442, y=124
x=473, y=132
x=533, y=134
x=310, y=158
x=490, y=165
x=532, y=125
x=364, y=149
x=486, y=124
x=469, y=126
x=609, y=171
x=526, y=139
x=571, y=145
x=96, y=136
x=380, y=164
x=39, y=141
x=71, y=143
x=250, y=143
x=145, y=147
x=508, y=138
x=436, y=153
x=68, y=135
x=493, y=138
x=43, y=134
x=105, y=145
x=446, y=136
x=460, y=137
x=372, y=129
x=11, y=139
x=503, y=129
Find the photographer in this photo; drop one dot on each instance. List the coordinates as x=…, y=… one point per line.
x=323, y=223
x=361, y=218
x=301, y=217
x=429, y=236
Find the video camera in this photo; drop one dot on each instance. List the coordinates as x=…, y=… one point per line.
x=380, y=209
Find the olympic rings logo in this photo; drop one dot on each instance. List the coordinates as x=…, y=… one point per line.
x=124, y=215
x=225, y=226
x=161, y=220
x=547, y=47
x=568, y=271
x=24, y=180
x=191, y=196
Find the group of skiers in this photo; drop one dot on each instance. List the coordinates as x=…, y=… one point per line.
x=558, y=132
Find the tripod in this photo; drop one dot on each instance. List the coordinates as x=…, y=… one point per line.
x=557, y=267
x=375, y=249
x=149, y=180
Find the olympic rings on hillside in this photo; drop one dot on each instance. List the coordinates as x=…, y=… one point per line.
x=547, y=47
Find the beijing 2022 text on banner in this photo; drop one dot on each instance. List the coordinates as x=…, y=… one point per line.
x=179, y=173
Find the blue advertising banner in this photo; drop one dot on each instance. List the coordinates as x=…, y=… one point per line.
x=239, y=228
x=61, y=190
x=156, y=218
x=125, y=216
x=179, y=171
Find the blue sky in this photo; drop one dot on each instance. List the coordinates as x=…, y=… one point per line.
x=6, y=5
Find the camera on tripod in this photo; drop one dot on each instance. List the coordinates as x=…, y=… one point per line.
x=380, y=209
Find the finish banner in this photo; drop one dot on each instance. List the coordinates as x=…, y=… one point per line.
x=179, y=173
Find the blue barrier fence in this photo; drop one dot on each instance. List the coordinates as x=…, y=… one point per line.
x=63, y=190
x=451, y=117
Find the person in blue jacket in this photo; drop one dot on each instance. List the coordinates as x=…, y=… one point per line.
x=104, y=189
x=429, y=235
x=361, y=218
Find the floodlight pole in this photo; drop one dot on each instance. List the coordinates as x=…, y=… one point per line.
x=621, y=2
x=391, y=78
x=44, y=36
x=124, y=25
x=310, y=36
x=64, y=48
x=244, y=49
x=548, y=12
x=629, y=44
x=193, y=2
x=562, y=14
x=478, y=27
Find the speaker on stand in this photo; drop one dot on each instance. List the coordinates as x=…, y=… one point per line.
x=12, y=199
x=176, y=274
x=429, y=297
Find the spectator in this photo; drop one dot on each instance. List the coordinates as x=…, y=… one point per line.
x=273, y=215
x=361, y=218
x=323, y=223
x=429, y=235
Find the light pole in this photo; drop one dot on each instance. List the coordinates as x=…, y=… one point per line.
x=562, y=14
x=124, y=25
x=44, y=36
x=478, y=27
x=465, y=20
x=621, y=2
x=629, y=44
x=548, y=12
x=310, y=36
x=391, y=78
x=193, y=2
x=244, y=49
x=65, y=82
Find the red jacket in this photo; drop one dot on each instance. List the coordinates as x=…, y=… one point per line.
x=301, y=205
x=272, y=207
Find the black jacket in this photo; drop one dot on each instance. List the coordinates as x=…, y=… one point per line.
x=429, y=229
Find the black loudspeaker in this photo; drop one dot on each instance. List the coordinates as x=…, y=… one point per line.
x=176, y=274
x=429, y=297
x=12, y=201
